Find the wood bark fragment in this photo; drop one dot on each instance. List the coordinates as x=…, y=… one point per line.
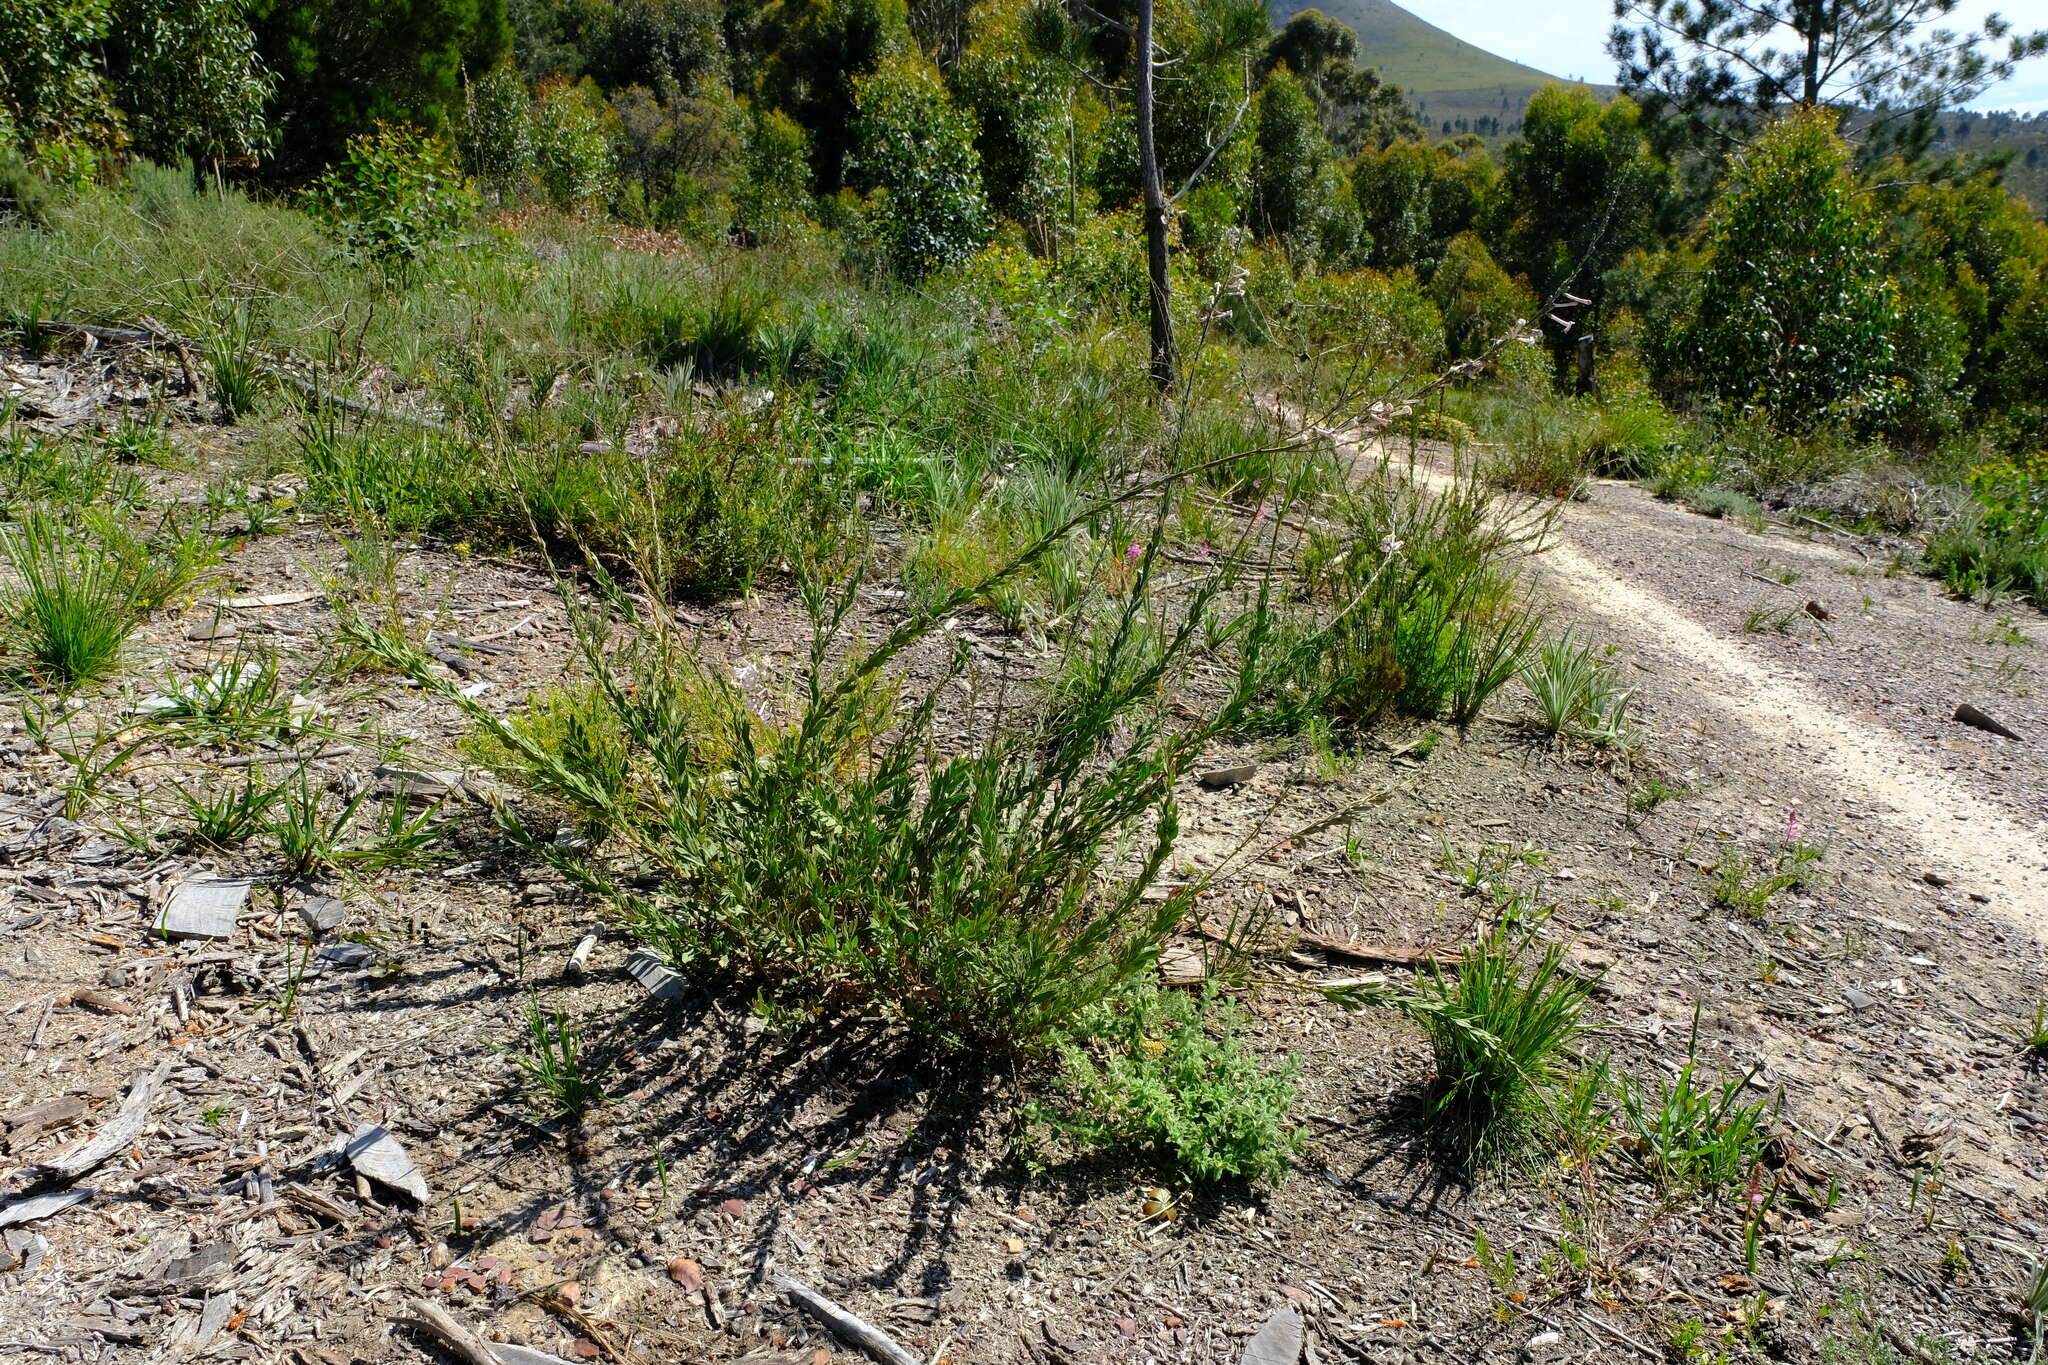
x=455, y=1335
x=850, y=1329
x=116, y=1135
x=1967, y=714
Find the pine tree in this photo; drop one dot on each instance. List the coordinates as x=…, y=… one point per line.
x=1717, y=70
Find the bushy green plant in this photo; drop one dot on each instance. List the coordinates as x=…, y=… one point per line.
x=1974, y=565
x=1166, y=1074
x=1480, y=303
x=571, y=155
x=1797, y=316
x=773, y=199
x=2014, y=495
x=575, y=726
x=841, y=858
x=395, y=196
x=916, y=150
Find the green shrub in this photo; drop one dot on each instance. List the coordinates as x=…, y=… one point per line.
x=773, y=199
x=916, y=151
x=1797, y=316
x=1166, y=1075
x=841, y=858
x=571, y=154
x=2014, y=495
x=575, y=727
x=407, y=484
x=1631, y=433
x=1480, y=303
x=396, y=195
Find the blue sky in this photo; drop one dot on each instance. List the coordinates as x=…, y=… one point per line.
x=1568, y=38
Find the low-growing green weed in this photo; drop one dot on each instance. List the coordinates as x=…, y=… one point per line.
x=224, y=815
x=1768, y=618
x=1166, y=1074
x=2033, y=1036
x=1693, y=1134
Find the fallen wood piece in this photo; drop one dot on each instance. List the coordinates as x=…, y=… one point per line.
x=333, y=1210
x=284, y=756
x=103, y=1001
x=1180, y=965
x=268, y=599
x=40, y=1206
x=450, y=1332
x=117, y=1134
x=380, y=1156
x=1279, y=1342
x=425, y=784
x=579, y=960
x=523, y=1355
x=844, y=1325
x=45, y=1113
x=1387, y=954
x=1967, y=714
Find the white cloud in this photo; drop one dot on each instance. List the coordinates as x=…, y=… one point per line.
x=1569, y=38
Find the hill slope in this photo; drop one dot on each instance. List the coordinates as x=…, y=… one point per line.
x=1414, y=53
x=1455, y=86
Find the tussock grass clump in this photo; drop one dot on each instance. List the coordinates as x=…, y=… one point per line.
x=1417, y=609
x=1577, y=694
x=1501, y=1025
x=82, y=585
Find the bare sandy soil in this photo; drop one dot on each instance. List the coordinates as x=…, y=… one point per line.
x=1879, y=1004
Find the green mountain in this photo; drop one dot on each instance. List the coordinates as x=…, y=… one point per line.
x=1414, y=53
x=1455, y=86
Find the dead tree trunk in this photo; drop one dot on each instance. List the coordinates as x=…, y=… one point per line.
x=1155, y=211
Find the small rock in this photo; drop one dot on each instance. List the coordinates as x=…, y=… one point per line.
x=322, y=914
x=1278, y=1342
x=1859, y=1000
